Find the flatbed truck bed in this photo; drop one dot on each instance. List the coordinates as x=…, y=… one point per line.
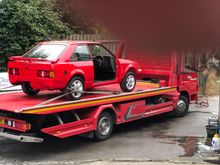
x=93, y=115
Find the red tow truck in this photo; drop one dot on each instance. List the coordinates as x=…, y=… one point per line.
x=166, y=85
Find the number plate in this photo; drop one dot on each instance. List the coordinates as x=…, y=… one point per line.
x=2, y=121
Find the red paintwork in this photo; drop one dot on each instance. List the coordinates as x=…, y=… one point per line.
x=71, y=129
x=28, y=68
x=90, y=107
x=120, y=109
x=168, y=67
x=20, y=125
x=19, y=100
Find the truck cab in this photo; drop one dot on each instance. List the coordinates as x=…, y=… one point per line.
x=169, y=68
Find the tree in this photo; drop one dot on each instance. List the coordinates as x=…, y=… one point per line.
x=25, y=22
x=77, y=21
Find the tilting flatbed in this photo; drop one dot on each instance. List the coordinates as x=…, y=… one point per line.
x=94, y=114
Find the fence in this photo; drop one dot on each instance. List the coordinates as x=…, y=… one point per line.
x=107, y=40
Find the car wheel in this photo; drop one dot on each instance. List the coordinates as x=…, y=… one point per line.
x=104, y=126
x=182, y=107
x=28, y=90
x=129, y=82
x=75, y=84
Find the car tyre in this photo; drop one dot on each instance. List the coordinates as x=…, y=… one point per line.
x=28, y=90
x=104, y=126
x=75, y=84
x=129, y=82
x=182, y=107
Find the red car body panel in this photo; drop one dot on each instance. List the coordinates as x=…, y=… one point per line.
x=64, y=69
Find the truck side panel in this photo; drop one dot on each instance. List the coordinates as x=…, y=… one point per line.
x=169, y=67
x=121, y=112
x=154, y=65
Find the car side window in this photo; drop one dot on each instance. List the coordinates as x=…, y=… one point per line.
x=81, y=53
x=98, y=50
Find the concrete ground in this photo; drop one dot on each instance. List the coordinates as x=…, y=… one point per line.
x=4, y=82
x=160, y=140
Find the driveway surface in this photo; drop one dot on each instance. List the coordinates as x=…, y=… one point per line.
x=161, y=138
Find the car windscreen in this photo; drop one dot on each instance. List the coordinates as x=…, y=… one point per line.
x=47, y=51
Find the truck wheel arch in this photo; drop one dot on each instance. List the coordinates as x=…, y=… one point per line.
x=112, y=112
x=107, y=108
x=186, y=94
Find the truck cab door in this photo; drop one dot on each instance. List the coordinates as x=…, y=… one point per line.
x=188, y=79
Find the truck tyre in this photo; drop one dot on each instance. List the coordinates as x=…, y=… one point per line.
x=129, y=82
x=28, y=90
x=182, y=107
x=75, y=84
x=104, y=126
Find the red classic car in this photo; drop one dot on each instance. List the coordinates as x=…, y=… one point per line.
x=70, y=66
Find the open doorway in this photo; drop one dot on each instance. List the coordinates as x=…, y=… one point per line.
x=104, y=63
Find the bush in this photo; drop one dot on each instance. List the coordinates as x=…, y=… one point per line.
x=25, y=22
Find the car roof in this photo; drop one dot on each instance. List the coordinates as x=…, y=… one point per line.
x=69, y=42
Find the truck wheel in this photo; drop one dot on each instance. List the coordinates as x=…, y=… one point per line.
x=104, y=126
x=75, y=84
x=182, y=107
x=28, y=90
x=129, y=82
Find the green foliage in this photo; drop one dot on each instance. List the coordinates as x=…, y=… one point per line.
x=25, y=22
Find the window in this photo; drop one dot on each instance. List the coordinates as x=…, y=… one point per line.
x=81, y=53
x=98, y=50
x=48, y=52
x=189, y=60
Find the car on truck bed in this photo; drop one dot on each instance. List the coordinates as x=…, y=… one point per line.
x=70, y=66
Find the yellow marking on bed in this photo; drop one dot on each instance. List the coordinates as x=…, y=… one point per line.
x=40, y=110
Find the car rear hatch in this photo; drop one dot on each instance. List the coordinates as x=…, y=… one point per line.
x=36, y=62
x=28, y=68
